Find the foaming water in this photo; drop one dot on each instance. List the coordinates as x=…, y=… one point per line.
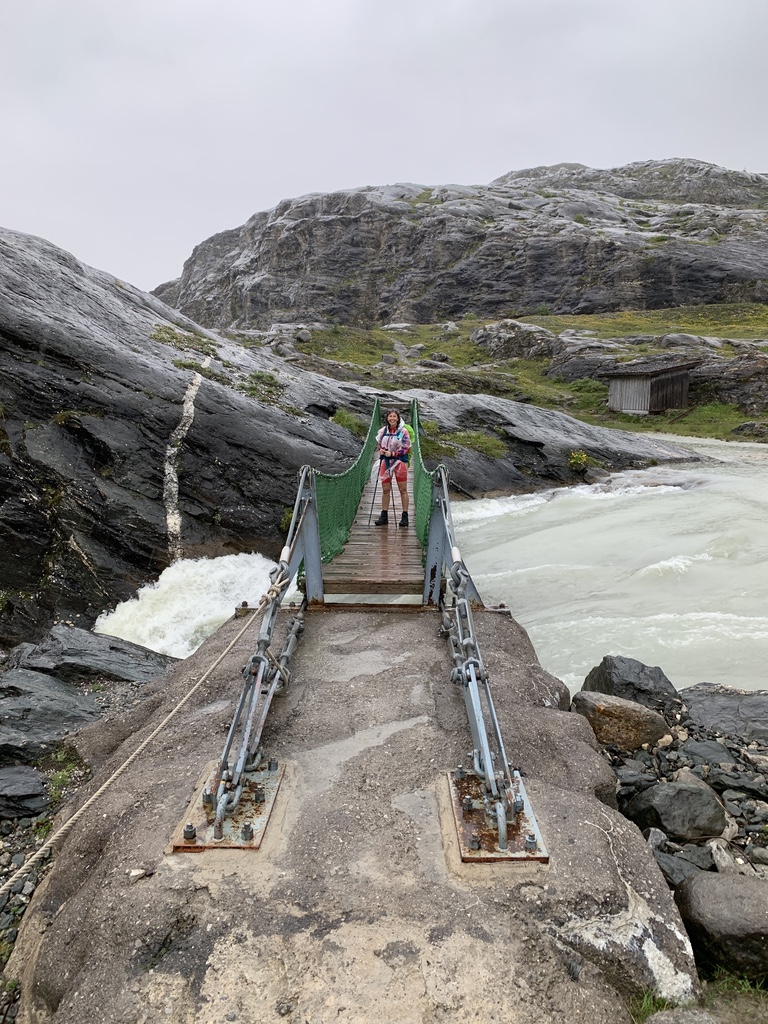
x=190, y=600
x=667, y=565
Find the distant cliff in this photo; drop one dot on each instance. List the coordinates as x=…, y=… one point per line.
x=568, y=237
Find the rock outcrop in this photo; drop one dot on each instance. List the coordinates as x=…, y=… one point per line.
x=357, y=897
x=129, y=436
x=571, y=238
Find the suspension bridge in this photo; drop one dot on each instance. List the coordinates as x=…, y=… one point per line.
x=335, y=553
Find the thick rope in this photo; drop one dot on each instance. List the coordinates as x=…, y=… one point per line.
x=274, y=593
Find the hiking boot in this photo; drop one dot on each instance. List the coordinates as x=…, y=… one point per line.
x=383, y=519
x=404, y=519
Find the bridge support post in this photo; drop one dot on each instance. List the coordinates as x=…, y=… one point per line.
x=313, y=562
x=436, y=542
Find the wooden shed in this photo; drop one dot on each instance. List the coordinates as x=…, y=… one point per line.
x=649, y=385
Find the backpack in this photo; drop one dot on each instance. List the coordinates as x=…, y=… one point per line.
x=411, y=434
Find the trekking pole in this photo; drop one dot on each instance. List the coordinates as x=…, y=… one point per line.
x=373, y=501
x=392, y=488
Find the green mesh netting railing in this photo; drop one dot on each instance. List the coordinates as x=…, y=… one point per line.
x=422, y=482
x=338, y=495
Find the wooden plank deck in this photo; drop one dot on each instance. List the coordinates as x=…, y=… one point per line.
x=378, y=559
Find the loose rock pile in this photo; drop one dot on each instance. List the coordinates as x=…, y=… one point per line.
x=692, y=773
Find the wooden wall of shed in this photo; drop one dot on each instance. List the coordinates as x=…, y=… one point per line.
x=640, y=394
x=669, y=391
x=629, y=394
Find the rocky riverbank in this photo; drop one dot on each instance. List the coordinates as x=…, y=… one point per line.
x=692, y=773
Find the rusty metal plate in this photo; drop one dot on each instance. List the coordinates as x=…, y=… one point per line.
x=249, y=811
x=474, y=822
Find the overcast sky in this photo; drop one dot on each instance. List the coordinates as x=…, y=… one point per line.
x=131, y=132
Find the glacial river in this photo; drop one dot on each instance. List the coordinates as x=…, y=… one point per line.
x=666, y=565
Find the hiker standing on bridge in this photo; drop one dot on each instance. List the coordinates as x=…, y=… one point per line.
x=394, y=445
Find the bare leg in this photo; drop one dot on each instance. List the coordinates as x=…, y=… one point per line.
x=401, y=484
x=386, y=488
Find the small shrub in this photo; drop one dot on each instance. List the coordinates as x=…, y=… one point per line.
x=581, y=219
x=578, y=460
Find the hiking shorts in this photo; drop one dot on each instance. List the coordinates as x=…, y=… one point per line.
x=398, y=467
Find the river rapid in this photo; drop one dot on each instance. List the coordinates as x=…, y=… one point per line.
x=668, y=565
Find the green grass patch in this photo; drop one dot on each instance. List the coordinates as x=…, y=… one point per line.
x=486, y=444
x=64, y=769
x=168, y=335
x=425, y=196
x=731, y=997
x=714, y=420
x=262, y=385
x=352, y=422
x=644, y=1006
x=366, y=347
x=734, y=320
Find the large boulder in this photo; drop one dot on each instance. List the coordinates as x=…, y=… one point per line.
x=728, y=710
x=683, y=810
x=630, y=679
x=71, y=654
x=726, y=917
x=36, y=711
x=619, y=722
x=511, y=339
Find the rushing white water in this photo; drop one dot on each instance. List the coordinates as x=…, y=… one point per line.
x=190, y=600
x=667, y=565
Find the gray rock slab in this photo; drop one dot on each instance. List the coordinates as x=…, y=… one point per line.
x=728, y=710
x=683, y=810
x=726, y=917
x=22, y=792
x=624, y=723
x=36, y=711
x=631, y=680
x=706, y=751
x=71, y=654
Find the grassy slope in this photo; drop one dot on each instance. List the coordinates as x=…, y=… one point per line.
x=525, y=380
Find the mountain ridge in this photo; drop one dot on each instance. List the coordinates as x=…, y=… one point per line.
x=571, y=239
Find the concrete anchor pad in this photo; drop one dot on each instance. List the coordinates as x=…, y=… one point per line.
x=244, y=829
x=479, y=838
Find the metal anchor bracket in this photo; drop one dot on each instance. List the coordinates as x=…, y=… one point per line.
x=494, y=818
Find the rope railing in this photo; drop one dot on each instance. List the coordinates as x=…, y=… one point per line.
x=338, y=495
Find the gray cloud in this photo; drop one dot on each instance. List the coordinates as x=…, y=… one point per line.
x=132, y=132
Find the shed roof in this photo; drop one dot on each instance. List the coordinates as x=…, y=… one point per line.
x=650, y=367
